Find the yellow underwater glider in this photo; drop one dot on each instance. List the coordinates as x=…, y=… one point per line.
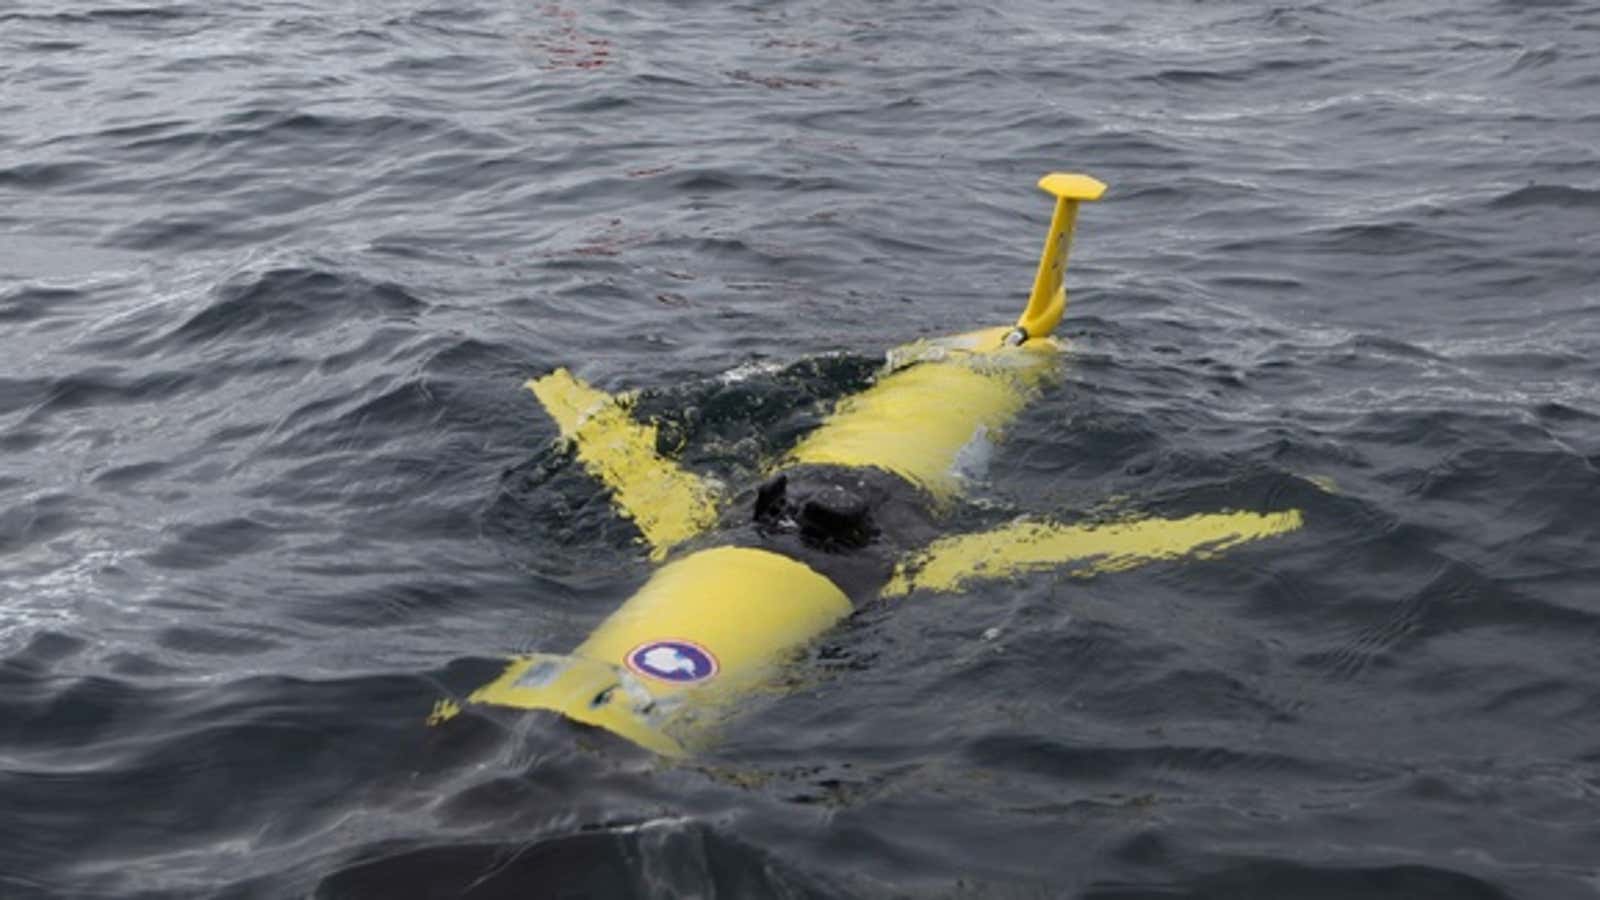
x=850, y=514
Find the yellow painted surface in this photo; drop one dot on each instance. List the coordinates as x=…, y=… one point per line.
x=1025, y=546
x=749, y=609
x=443, y=711
x=584, y=690
x=915, y=422
x=667, y=504
x=1047, y=302
x=986, y=349
x=1072, y=186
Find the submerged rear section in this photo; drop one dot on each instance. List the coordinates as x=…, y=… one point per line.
x=931, y=417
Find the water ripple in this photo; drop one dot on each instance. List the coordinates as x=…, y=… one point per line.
x=272, y=277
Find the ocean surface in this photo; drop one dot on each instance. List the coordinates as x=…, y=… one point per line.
x=272, y=275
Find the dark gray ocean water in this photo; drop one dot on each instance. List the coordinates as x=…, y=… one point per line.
x=272, y=275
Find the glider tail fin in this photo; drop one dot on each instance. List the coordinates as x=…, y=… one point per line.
x=1048, y=300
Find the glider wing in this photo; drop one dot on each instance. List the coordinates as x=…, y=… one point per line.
x=1083, y=550
x=668, y=504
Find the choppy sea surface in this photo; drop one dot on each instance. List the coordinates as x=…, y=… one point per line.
x=272, y=275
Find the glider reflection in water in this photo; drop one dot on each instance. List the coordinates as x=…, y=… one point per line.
x=850, y=514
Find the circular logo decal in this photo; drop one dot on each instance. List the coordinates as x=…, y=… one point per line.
x=671, y=660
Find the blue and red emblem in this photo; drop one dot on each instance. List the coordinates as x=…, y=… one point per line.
x=681, y=662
